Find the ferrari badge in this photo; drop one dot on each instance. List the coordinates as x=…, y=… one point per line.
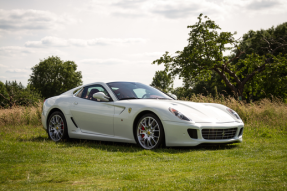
x=130, y=109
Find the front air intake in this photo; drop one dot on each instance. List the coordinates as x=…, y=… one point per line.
x=240, y=132
x=192, y=133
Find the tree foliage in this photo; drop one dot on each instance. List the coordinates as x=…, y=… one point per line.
x=163, y=81
x=204, y=55
x=266, y=44
x=12, y=94
x=53, y=76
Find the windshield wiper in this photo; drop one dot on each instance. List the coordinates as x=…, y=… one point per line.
x=129, y=98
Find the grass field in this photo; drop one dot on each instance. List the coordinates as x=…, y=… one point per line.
x=30, y=161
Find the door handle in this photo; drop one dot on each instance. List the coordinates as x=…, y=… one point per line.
x=75, y=103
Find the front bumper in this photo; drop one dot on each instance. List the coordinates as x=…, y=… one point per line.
x=43, y=119
x=176, y=133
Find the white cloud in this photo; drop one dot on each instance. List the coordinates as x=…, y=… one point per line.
x=154, y=9
x=47, y=41
x=18, y=70
x=51, y=41
x=147, y=54
x=29, y=19
x=263, y=4
x=14, y=51
x=180, y=9
x=110, y=61
x=115, y=41
x=3, y=66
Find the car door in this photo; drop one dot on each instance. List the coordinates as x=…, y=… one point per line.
x=92, y=115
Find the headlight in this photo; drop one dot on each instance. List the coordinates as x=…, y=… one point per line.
x=178, y=114
x=233, y=113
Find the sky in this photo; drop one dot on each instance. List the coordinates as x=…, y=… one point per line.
x=115, y=40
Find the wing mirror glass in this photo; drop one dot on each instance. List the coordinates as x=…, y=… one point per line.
x=173, y=96
x=101, y=96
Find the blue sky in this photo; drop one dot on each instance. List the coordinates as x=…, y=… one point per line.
x=115, y=39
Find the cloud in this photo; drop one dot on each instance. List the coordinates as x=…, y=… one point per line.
x=3, y=66
x=110, y=61
x=179, y=9
x=51, y=41
x=114, y=61
x=29, y=19
x=18, y=71
x=154, y=9
x=114, y=41
x=174, y=10
x=14, y=51
x=48, y=41
x=128, y=4
x=147, y=54
x=263, y=4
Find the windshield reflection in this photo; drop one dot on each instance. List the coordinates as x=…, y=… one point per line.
x=135, y=90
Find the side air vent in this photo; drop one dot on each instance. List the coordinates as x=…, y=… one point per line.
x=240, y=132
x=74, y=122
x=192, y=133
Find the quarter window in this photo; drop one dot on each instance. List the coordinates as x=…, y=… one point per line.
x=79, y=94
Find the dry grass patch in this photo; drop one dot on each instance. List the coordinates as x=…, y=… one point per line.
x=21, y=115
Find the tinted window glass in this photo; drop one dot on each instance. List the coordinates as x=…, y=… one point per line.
x=79, y=94
x=89, y=91
x=134, y=90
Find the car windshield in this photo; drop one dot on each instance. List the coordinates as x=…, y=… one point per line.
x=134, y=90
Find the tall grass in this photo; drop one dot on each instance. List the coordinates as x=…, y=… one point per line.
x=259, y=115
x=264, y=113
x=20, y=115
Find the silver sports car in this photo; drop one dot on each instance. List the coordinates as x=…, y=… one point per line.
x=132, y=112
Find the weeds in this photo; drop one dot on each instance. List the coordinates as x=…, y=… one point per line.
x=21, y=115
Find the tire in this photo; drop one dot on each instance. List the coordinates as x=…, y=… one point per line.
x=148, y=132
x=57, y=127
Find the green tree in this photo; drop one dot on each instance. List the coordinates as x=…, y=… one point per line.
x=53, y=76
x=204, y=55
x=269, y=43
x=12, y=94
x=162, y=81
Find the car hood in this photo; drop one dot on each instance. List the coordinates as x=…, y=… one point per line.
x=197, y=112
x=203, y=112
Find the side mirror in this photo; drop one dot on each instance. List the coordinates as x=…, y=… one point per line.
x=173, y=96
x=101, y=96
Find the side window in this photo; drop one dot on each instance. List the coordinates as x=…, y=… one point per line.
x=79, y=94
x=89, y=91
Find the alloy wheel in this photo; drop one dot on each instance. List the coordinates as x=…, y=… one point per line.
x=56, y=128
x=148, y=132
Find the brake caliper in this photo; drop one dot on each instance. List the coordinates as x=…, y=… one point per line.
x=143, y=130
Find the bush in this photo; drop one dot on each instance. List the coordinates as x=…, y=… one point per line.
x=14, y=94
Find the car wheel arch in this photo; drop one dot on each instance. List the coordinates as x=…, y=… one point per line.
x=50, y=113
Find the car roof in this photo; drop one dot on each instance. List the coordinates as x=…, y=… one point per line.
x=107, y=82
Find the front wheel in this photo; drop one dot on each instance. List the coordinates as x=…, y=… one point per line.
x=149, y=132
x=57, y=127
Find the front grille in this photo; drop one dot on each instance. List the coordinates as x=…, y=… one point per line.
x=215, y=134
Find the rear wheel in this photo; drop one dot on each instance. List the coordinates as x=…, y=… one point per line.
x=57, y=127
x=149, y=132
